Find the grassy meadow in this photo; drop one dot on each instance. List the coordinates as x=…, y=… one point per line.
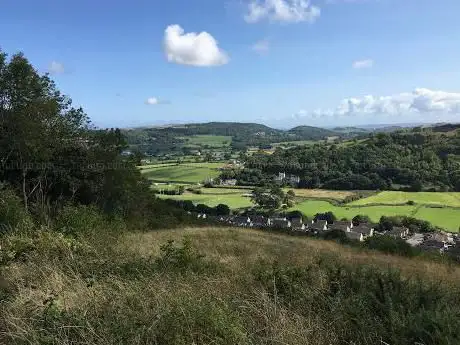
x=220, y=287
x=234, y=201
x=185, y=173
x=213, y=141
x=424, y=198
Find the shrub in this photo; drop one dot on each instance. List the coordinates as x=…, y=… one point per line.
x=13, y=216
x=75, y=220
x=390, y=245
x=364, y=304
x=181, y=258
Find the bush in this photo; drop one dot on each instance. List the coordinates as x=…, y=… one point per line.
x=75, y=220
x=181, y=258
x=364, y=304
x=13, y=216
x=390, y=245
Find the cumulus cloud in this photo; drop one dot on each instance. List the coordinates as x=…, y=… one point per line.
x=421, y=101
x=261, y=46
x=289, y=11
x=56, y=68
x=152, y=101
x=360, y=64
x=194, y=49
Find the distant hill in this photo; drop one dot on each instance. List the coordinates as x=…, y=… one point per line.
x=312, y=133
x=172, y=139
x=350, y=130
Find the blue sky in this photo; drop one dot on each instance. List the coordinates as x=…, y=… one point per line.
x=280, y=62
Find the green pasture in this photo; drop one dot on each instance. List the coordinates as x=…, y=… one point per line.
x=296, y=143
x=186, y=173
x=209, y=140
x=234, y=201
x=423, y=198
x=311, y=207
x=448, y=218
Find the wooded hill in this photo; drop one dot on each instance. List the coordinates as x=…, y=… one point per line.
x=156, y=140
x=417, y=159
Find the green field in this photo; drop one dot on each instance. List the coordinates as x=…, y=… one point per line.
x=311, y=207
x=209, y=140
x=296, y=143
x=186, y=173
x=448, y=218
x=234, y=201
x=423, y=198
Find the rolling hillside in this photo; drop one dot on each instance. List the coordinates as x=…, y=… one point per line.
x=222, y=286
x=177, y=138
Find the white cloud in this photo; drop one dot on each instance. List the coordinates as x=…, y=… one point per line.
x=290, y=11
x=261, y=46
x=156, y=101
x=152, y=101
x=420, y=101
x=56, y=68
x=360, y=64
x=194, y=49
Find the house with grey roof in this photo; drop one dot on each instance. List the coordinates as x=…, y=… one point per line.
x=320, y=225
x=345, y=226
x=356, y=236
x=398, y=232
x=298, y=225
x=281, y=223
x=258, y=221
x=363, y=229
x=433, y=246
x=240, y=221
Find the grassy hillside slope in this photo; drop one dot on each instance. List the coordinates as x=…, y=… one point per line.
x=221, y=286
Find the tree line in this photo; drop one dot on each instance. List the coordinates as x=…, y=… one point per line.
x=51, y=156
x=412, y=161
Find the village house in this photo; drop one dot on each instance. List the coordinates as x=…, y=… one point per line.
x=297, y=224
x=240, y=221
x=291, y=179
x=355, y=236
x=258, y=221
x=281, y=223
x=320, y=225
x=398, y=232
x=228, y=182
x=364, y=229
x=433, y=245
x=345, y=226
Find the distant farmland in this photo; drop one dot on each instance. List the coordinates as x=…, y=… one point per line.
x=441, y=209
x=422, y=198
x=185, y=173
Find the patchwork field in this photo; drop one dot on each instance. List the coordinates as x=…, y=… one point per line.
x=186, y=173
x=311, y=207
x=322, y=193
x=423, y=198
x=447, y=218
x=234, y=201
x=312, y=201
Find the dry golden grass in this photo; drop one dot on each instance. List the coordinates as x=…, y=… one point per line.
x=240, y=248
x=323, y=194
x=112, y=296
